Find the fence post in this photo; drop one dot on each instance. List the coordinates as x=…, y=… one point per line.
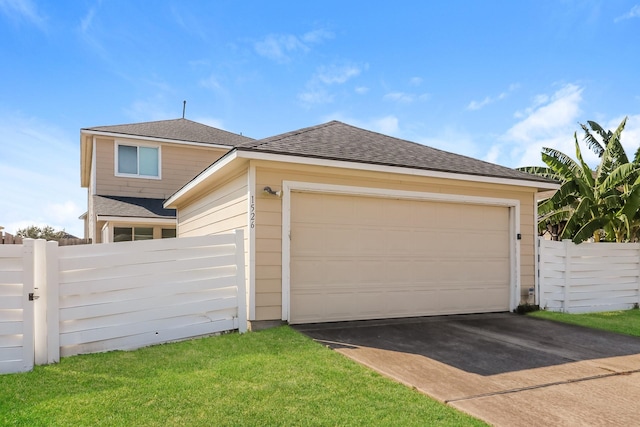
x=540, y=277
x=240, y=281
x=568, y=253
x=40, y=302
x=53, y=303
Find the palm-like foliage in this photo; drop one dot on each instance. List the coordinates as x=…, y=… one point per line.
x=601, y=203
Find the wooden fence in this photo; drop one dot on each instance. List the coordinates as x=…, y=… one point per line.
x=117, y=296
x=10, y=239
x=588, y=277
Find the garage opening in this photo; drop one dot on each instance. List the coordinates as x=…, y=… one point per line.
x=357, y=257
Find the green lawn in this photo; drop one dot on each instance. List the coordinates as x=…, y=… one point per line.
x=267, y=378
x=624, y=322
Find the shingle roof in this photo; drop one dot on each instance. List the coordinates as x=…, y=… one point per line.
x=339, y=141
x=177, y=129
x=131, y=207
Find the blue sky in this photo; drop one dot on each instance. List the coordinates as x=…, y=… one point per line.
x=496, y=80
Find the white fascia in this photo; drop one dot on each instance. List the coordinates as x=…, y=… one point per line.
x=136, y=220
x=155, y=139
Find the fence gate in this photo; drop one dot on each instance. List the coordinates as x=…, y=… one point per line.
x=17, y=307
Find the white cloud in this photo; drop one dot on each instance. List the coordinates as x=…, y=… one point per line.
x=210, y=121
x=405, y=98
x=315, y=96
x=280, y=47
x=337, y=74
x=477, y=105
x=87, y=21
x=630, y=135
x=316, y=89
x=211, y=82
x=277, y=47
x=633, y=13
x=387, y=125
x=19, y=10
x=39, y=171
x=544, y=120
x=453, y=140
x=415, y=81
x=549, y=122
x=317, y=36
x=152, y=109
x=361, y=90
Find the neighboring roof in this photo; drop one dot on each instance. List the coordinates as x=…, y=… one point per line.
x=177, y=129
x=131, y=207
x=339, y=141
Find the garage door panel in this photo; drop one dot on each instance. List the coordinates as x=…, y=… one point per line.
x=307, y=240
x=371, y=272
x=381, y=258
x=370, y=240
x=400, y=271
x=338, y=240
x=369, y=211
x=308, y=272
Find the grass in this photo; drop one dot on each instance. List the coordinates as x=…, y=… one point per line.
x=623, y=322
x=269, y=378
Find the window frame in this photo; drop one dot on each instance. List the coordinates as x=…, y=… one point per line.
x=137, y=145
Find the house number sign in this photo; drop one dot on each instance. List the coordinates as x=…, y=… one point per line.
x=252, y=212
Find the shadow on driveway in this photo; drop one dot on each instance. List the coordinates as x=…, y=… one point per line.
x=486, y=344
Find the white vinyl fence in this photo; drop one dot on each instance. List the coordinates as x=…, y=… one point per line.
x=588, y=277
x=117, y=296
x=16, y=311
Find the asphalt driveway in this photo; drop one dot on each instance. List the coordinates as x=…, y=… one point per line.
x=506, y=369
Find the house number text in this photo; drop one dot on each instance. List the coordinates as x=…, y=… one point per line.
x=252, y=213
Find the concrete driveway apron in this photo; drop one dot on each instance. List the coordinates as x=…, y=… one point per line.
x=506, y=369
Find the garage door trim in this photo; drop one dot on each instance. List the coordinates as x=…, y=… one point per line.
x=294, y=186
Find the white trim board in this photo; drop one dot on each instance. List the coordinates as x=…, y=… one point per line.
x=155, y=139
x=251, y=186
x=136, y=220
x=294, y=186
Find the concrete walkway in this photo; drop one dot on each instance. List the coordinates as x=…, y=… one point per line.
x=506, y=369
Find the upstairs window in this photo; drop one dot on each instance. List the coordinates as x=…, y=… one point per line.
x=137, y=160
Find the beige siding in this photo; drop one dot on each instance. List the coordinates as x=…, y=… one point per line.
x=222, y=210
x=268, y=273
x=180, y=164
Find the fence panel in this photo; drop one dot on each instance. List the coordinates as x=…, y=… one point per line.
x=589, y=277
x=16, y=311
x=131, y=294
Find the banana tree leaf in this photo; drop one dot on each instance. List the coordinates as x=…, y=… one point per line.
x=587, y=230
x=560, y=163
x=618, y=176
x=591, y=141
x=587, y=173
x=541, y=171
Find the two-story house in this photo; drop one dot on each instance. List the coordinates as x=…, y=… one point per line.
x=129, y=170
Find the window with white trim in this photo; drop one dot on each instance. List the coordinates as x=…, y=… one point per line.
x=138, y=161
x=128, y=234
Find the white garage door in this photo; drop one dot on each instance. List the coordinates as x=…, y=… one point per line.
x=356, y=257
